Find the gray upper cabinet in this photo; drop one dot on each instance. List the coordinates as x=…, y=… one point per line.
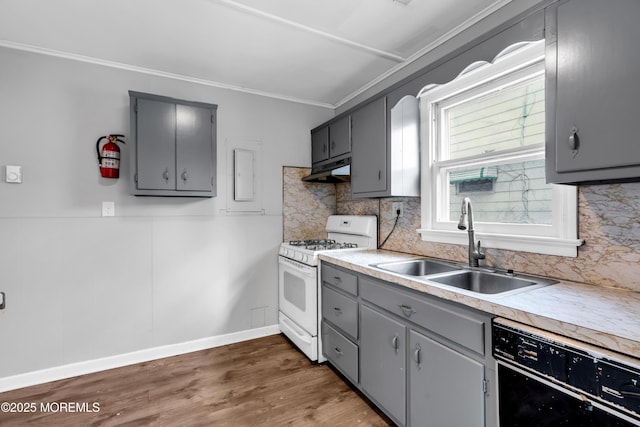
x=369, y=150
x=331, y=142
x=592, y=91
x=385, y=158
x=340, y=137
x=174, y=147
x=320, y=145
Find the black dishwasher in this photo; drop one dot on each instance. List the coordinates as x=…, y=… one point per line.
x=547, y=380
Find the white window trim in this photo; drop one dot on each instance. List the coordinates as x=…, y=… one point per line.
x=557, y=239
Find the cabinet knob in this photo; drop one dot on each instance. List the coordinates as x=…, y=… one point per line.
x=184, y=175
x=165, y=175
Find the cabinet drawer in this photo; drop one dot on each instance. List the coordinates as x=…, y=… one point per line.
x=341, y=352
x=340, y=279
x=340, y=310
x=440, y=317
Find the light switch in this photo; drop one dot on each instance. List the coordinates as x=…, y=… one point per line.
x=108, y=208
x=14, y=174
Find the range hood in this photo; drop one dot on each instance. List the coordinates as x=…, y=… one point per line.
x=331, y=173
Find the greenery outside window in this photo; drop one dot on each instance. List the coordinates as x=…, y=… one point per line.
x=483, y=137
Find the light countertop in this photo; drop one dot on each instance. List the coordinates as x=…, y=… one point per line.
x=605, y=317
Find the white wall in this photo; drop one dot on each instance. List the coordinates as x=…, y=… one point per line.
x=163, y=270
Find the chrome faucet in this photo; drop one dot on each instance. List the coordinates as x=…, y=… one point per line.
x=475, y=253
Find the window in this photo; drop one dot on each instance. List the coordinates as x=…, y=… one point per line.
x=483, y=137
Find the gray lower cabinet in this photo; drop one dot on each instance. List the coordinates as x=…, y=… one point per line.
x=592, y=91
x=340, y=351
x=173, y=150
x=382, y=361
x=436, y=367
x=422, y=360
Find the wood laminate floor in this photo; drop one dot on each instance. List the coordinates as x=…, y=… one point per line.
x=262, y=382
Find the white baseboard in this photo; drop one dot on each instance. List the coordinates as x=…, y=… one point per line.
x=96, y=365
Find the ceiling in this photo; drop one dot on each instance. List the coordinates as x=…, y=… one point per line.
x=320, y=52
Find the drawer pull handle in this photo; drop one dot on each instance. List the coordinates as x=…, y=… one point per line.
x=338, y=351
x=338, y=310
x=406, y=310
x=337, y=278
x=394, y=343
x=574, y=142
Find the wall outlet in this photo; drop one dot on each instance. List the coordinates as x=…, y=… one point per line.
x=397, y=206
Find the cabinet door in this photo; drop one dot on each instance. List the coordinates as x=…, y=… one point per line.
x=194, y=150
x=340, y=137
x=320, y=145
x=445, y=387
x=155, y=145
x=592, y=63
x=369, y=148
x=382, y=361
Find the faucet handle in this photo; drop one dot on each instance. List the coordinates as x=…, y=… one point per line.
x=480, y=254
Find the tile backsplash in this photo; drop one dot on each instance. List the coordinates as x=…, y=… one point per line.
x=609, y=223
x=306, y=205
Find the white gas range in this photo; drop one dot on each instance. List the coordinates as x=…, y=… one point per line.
x=298, y=290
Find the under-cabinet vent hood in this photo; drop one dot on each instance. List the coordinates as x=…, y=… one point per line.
x=332, y=173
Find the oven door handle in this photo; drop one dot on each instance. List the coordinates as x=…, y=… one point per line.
x=297, y=267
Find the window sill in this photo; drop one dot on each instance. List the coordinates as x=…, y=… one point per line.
x=537, y=245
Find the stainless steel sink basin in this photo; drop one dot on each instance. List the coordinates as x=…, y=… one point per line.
x=416, y=267
x=489, y=283
x=473, y=280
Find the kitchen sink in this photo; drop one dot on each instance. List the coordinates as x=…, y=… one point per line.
x=416, y=267
x=489, y=283
x=473, y=280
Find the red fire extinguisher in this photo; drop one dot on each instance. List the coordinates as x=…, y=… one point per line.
x=109, y=158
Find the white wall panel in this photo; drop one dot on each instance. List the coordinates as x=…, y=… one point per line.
x=163, y=270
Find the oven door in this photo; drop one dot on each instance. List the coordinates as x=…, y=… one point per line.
x=298, y=293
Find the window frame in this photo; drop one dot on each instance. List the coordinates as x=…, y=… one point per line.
x=514, y=65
